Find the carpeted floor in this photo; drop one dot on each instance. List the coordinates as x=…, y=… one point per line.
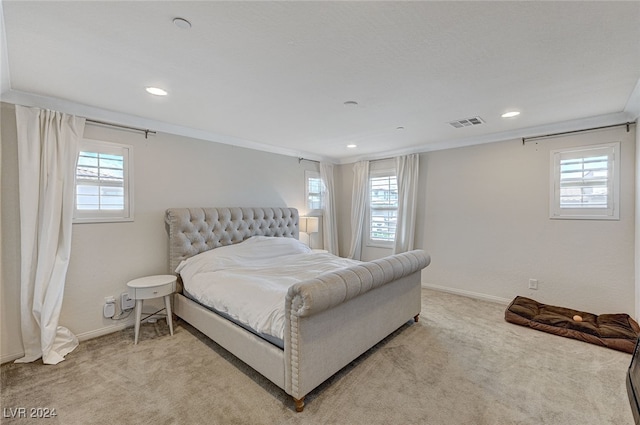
x=461, y=364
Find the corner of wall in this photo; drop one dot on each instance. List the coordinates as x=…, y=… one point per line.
x=637, y=223
x=5, y=81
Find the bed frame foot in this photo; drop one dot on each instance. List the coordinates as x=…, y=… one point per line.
x=416, y=317
x=299, y=404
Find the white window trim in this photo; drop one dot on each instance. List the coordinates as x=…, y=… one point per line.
x=368, y=241
x=308, y=174
x=103, y=216
x=612, y=212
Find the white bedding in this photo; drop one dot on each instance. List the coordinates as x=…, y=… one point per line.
x=249, y=281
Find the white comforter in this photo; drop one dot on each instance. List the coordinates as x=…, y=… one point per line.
x=249, y=281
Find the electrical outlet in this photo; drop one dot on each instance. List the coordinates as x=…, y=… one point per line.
x=109, y=308
x=126, y=302
x=533, y=283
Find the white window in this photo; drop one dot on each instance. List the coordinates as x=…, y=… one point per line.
x=103, y=183
x=383, y=208
x=585, y=182
x=314, y=191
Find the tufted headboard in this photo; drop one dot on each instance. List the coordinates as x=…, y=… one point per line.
x=195, y=230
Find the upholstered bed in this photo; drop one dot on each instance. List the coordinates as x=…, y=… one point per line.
x=329, y=320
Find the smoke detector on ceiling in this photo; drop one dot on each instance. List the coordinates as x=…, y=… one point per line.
x=466, y=122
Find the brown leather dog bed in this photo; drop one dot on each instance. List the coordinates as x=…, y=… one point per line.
x=617, y=331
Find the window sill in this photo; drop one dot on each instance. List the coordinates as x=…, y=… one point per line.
x=101, y=220
x=585, y=217
x=381, y=246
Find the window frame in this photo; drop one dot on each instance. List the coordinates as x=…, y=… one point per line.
x=311, y=174
x=612, y=210
x=377, y=243
x=106, y=216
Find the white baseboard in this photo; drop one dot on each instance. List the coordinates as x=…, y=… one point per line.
x=469, y=294
x=11, y=357
x=105, y=331
x=81, y=337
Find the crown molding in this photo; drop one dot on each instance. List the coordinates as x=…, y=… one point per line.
x=518, y=134
x=90, y=112
x=631, y=113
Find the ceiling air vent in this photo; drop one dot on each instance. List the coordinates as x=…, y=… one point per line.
x=466, y=122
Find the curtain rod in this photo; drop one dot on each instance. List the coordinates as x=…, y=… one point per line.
x=300, y=159
x=146, y=131
x=527, y=139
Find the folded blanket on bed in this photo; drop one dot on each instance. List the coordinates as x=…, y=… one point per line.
x=616, y=331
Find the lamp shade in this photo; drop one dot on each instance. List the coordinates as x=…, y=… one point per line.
x=309, y=224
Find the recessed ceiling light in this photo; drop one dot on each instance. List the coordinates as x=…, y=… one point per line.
x=351, y=146
x=156, y=91
x=182, y=23
x=510, y=114
x=351, y=103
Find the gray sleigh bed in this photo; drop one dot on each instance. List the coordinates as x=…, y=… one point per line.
x=329, y=320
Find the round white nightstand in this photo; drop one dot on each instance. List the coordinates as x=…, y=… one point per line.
x=150, y=287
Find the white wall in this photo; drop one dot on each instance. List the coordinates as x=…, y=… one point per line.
x=637, y=252
x=2, y=289
x=169, y=171
x=486, y=226
x=483, y=218
x=10, y=339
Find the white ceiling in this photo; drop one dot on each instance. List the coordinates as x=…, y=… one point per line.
x=274, y=75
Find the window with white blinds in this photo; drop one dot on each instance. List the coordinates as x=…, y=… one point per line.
x=585, y=182
x=103, y=182
x=314, y=190
x=383, y=209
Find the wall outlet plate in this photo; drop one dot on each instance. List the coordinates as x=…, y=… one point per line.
x=126, y=302
x=109, y=310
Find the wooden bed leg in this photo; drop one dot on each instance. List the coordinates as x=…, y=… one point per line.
x=299, y=404
x=416, y=317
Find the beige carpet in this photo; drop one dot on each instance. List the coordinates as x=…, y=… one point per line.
x=461, y=364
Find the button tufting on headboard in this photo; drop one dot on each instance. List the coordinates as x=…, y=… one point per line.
x=195, y=230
